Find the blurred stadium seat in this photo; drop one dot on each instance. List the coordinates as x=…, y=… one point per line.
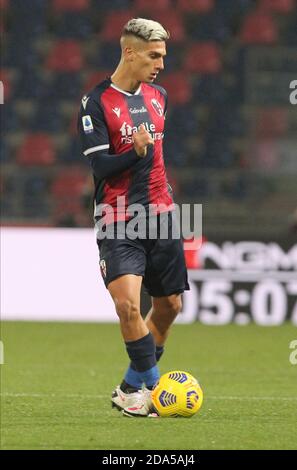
x=28, y=26
x=74, y=25
x=278, y=6
x=4, y=4
x=290, y=32
x=178, y=87
x=20, y=52
x=259, y=28
x=30, y=85
x=3, y=23
x=71, y=153
x=47, y=117
x=272, y=122
x=65, y=86
x=70, y=5
x=4, y=151
x=94, y=78
x=69, y=183
x=104, y=5
x=195, y=6
x=65, y=56
x=108, y=54
x=36, y=149
x=72, y=132
x=35, y=189
x=230, y=123
x=145, y=6
x=203, y=58
x=182, y=115
x=266, y=155
x=207, y=27
x=209, y=89
x=67, y=190
x=10, y=121
x=113, y=25
x=172, y=21
x=226, y=107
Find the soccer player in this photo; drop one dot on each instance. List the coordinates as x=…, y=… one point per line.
x=121, y=125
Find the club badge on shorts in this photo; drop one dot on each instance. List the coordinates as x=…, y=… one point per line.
x=103, y=267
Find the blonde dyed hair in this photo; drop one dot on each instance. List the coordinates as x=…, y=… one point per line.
x=147, y=30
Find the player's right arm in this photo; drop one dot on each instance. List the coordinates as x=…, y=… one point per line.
x=95, y=143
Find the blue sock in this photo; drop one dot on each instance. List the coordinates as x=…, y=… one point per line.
x=142, y=353
x=133, y=378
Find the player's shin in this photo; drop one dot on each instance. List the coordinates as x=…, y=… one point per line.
x=142, y=353
x=132, y=380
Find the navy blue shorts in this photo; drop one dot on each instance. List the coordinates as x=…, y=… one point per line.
x=160, y=262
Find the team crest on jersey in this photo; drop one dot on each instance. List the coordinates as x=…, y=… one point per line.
x=103, y=267
x=87, y=124
x=157, y=107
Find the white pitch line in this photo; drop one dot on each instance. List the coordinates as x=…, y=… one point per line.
x=51, y=395
x=251, y=398
x=75, y=395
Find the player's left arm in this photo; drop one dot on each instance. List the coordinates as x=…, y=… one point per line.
x=95, y=143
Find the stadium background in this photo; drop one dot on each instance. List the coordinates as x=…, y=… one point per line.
x=231, y=130
x=230, y=141
x=230, y=145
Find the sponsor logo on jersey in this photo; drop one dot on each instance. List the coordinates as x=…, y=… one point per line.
x=136, y=110
x=157, y=107
x=117, y=111
x=127, y=132
x=87, y=124
x=84, y=101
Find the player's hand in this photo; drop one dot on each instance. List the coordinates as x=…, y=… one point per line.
x=141, y=139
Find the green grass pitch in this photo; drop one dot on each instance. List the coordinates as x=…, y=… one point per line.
x=57, y=379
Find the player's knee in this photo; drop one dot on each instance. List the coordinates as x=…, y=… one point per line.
x=127, y=310
x=174, y=306
x=163, y=318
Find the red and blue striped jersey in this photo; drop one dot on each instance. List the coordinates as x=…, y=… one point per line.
x=107, y=120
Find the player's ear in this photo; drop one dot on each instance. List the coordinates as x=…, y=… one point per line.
x=129, y=54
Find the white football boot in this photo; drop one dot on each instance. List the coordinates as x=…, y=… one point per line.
x=142, y=406
x=121, y=400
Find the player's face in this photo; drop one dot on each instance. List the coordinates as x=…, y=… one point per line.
x=149, y=60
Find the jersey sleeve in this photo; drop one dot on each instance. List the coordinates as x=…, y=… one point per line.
x=95, y=142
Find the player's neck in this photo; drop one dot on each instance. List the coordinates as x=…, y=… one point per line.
x=121, y=79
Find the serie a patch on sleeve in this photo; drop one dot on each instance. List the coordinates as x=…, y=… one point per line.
x=87, y=124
